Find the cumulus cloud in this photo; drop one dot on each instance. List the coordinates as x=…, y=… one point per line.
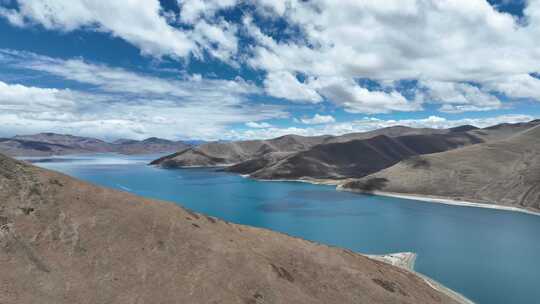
x=464, y=55
x=341, y=91
x=32, y=99
x=388, y=40
x=517, y=86
x=442, y=41
x=12, y=16
x=123, y=103
x=117, y=80
x=219, y=39
x=258, y=125
x=357, y=99
x=458, y=97
x=318, y=119
x=286, y=85
x=139, y=23
x=142, y=23
x=195, y=10
x=78, y=113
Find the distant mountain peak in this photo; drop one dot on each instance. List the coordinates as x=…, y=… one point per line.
x=123, y=141
x=49, y=143
x=156, y=140
x=463, y=128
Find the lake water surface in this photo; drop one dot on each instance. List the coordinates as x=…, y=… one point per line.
x=490, y=256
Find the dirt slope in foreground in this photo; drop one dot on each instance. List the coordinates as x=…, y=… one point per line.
x=66, y=241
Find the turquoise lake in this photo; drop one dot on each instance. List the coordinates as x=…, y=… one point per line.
x=490, y=256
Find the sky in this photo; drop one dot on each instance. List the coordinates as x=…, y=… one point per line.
x=235, y=69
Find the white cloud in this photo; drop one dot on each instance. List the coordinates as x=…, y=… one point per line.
x=30, y=110
x=117, y=80
x=31, y=99
x=138, y=22
x=341, y=91
x=194, y=10
x=123, y=103
x=286, y=85
x=458, y=97
x=388, y=40
x=357, y=99
x=318, y=119
x=453, y=42
x=127, y=104
x=258, y=125
x=12, y=16
x=142, y=23
x=517, y=86
x=219, y=39
x=442, y=41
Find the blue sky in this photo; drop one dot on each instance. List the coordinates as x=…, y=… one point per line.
x=231, y=69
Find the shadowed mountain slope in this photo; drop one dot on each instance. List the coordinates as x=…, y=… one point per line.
x=355, y=158
x=227, y=153
x=66, y=241
x=504, y=172
x=215, y=154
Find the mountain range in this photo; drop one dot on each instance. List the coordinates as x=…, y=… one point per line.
x=355, y=158
x=67, y=241
x=494, y=165
x=236, y=152
x=46, y=144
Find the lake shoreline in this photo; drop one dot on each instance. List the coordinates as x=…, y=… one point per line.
x=442, y=200
x=416, y=197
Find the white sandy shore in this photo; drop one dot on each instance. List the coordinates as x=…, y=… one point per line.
x=443, y=200
x=406, y=261
x=401, y=259
x=202, y=167
x=416, y=197
x=328, y=182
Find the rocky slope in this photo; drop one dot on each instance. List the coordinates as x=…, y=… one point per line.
x=351, y=159
x=227, y=153
x=46, y=144
x=503, y=172
x=66, y=241
x=332, y=157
